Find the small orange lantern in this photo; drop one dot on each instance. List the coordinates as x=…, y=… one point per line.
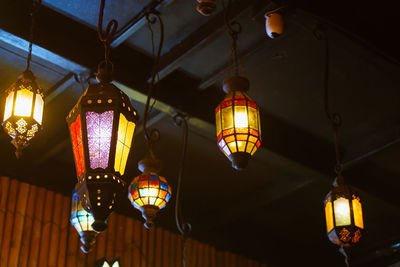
x=344, y=216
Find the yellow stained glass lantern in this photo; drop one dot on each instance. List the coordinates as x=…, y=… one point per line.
x=238, y=123
x=344, y=216
x=82, y=221
x=102, y=126
x=149, y=192
x=23, y=111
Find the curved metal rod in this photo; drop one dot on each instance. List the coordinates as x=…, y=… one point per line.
x=154, y=71
x=183, y=227
x=234, y=33
x=106, y=37
x=333, y=117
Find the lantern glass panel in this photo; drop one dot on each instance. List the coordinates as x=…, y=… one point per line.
x=80, y=218
x=227, y=118
x=249, y=147
x=125, y=136
x=232, y=147
x=358, y=216
x=241, y=146
x=9, y=105
x=218, y=121
x=253, y=118
x=99, y=131
x=76, y=134
x=329, y=216
x=23, y=103
x=38, y=112
x=241, y=120
x=342, y=211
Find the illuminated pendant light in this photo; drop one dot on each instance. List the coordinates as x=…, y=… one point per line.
x=238, y=123
x=82, y=221
x=237, y=116
x=24, y=103
x=343, y=208
x=344, y=216
x=149, y=192
x=102, y=125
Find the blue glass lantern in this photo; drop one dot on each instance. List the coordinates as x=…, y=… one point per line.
x=82, y=221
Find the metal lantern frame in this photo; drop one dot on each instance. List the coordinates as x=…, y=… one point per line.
x=98, y=187
x=350, y=233
x=238, y=142
x=82, y=221
x=20, y=123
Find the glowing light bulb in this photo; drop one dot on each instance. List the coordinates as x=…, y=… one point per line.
x=342, y=211
x=241, y=120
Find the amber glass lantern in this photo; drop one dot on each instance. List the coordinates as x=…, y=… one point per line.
x=102, y=126
x=344, y=216
x=238, y=123
x=82, y=221
x=149, y=192
x=23, y=111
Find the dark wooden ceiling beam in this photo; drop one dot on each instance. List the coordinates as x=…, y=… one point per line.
x=60, y=87
x=78, y=43
x=219, y=74
x=173, y=59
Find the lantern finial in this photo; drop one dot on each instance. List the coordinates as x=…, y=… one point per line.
x=88, y=239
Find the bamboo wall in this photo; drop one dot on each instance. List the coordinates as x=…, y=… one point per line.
x=35, y=231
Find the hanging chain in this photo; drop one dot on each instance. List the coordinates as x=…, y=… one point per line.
x=234, y=29
x=183, y=227
x=333, y=117
x=32, y=13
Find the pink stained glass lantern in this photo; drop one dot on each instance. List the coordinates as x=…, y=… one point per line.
x=102, y=125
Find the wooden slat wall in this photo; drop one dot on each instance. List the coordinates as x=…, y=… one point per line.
x=35, y=231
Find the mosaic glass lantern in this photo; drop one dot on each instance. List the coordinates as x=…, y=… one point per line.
x=82, y=221
x=149, y=192
x=23, y=111
x=344, y=216
x=238, y=123
x=102, y=125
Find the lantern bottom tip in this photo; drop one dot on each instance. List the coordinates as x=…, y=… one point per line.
x=99, y=226
x=239, y=160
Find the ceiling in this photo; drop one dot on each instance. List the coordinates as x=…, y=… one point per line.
x=274, y=207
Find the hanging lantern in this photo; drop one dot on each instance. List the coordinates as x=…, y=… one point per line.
x=82, y=221
x=238, y=123
x=102, y=125
x=206, y=7
x=23, y=111
x=149, y=192
x=344, y=217
x=273, y=24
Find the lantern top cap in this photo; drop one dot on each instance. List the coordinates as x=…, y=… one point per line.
x=149, y=165
x=28, y=75
x=235, y=83
x=105, y=72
